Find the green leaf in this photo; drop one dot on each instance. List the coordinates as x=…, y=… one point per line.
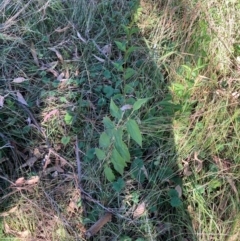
x=104, y=140
x=90, y=153
x=137, y=105
x=134, y=131
x=128, y=89
x=108, y=90
x=118, y=66
x=125, y=238
x=101, y=102
x=172, y=193
x=107, y=74
x=68, y=118
x=175, y=202
x=214, y=184
x=129, y=73
x=121, y=45
x=109, y=126
x=130, y=50
x=125, y=28
x=109, y=174
x=100, y=154
x=115, y=111
x=65, y=140
x=121, y=146
x=118, y=162
x=119, y=184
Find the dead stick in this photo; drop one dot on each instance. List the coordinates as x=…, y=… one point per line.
x=98, y=225
x=78, y=163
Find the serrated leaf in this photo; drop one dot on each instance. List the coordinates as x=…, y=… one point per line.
x=117, y=161
x=68, y=119
x=119, y=184
x=115, y=111
x=134, y=131
x=129, y=73
x=138, y=104
x=100, y=154
x=121, y=146
x=175, y=202
x=121, y=45
x=65, y=140
x=104, y=140
x=109, y=126
x=109, y=174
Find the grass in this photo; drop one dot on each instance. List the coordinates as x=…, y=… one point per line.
x=180, y=60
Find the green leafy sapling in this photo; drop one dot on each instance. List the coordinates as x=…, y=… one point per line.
x=113, y=150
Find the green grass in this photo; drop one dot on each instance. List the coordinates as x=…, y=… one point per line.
x=184, y=161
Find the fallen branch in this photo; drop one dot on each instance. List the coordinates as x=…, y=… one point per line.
x=78, y=163
x=98, y=225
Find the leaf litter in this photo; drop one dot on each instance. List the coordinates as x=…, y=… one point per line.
x=19, y=80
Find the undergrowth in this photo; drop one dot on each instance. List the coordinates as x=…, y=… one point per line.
x=123, y=113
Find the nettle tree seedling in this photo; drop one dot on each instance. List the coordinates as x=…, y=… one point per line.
x=113, y=150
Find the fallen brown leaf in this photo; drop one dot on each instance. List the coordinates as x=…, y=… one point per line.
x=140, y=210
x=54, y=72
x=199, y=162
x=99, y=59
x=179, y=190
x=34, y=54
x=1, y=101
x=37, y=153
x=50, y=65
x=233, y=186
x=126, y=107
x=21, y=99
x=30, y=162
x=81, y=38
x=57, y=53
x=19, y=80
x=61, y=76
x=32, y=180
x=186, y=171
x=60, y=30
x=50, y=114
x=47, y=161
x=12, y=210
x=20, y=182
x=106, y=50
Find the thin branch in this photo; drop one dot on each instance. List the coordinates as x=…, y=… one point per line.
x=79, y=169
